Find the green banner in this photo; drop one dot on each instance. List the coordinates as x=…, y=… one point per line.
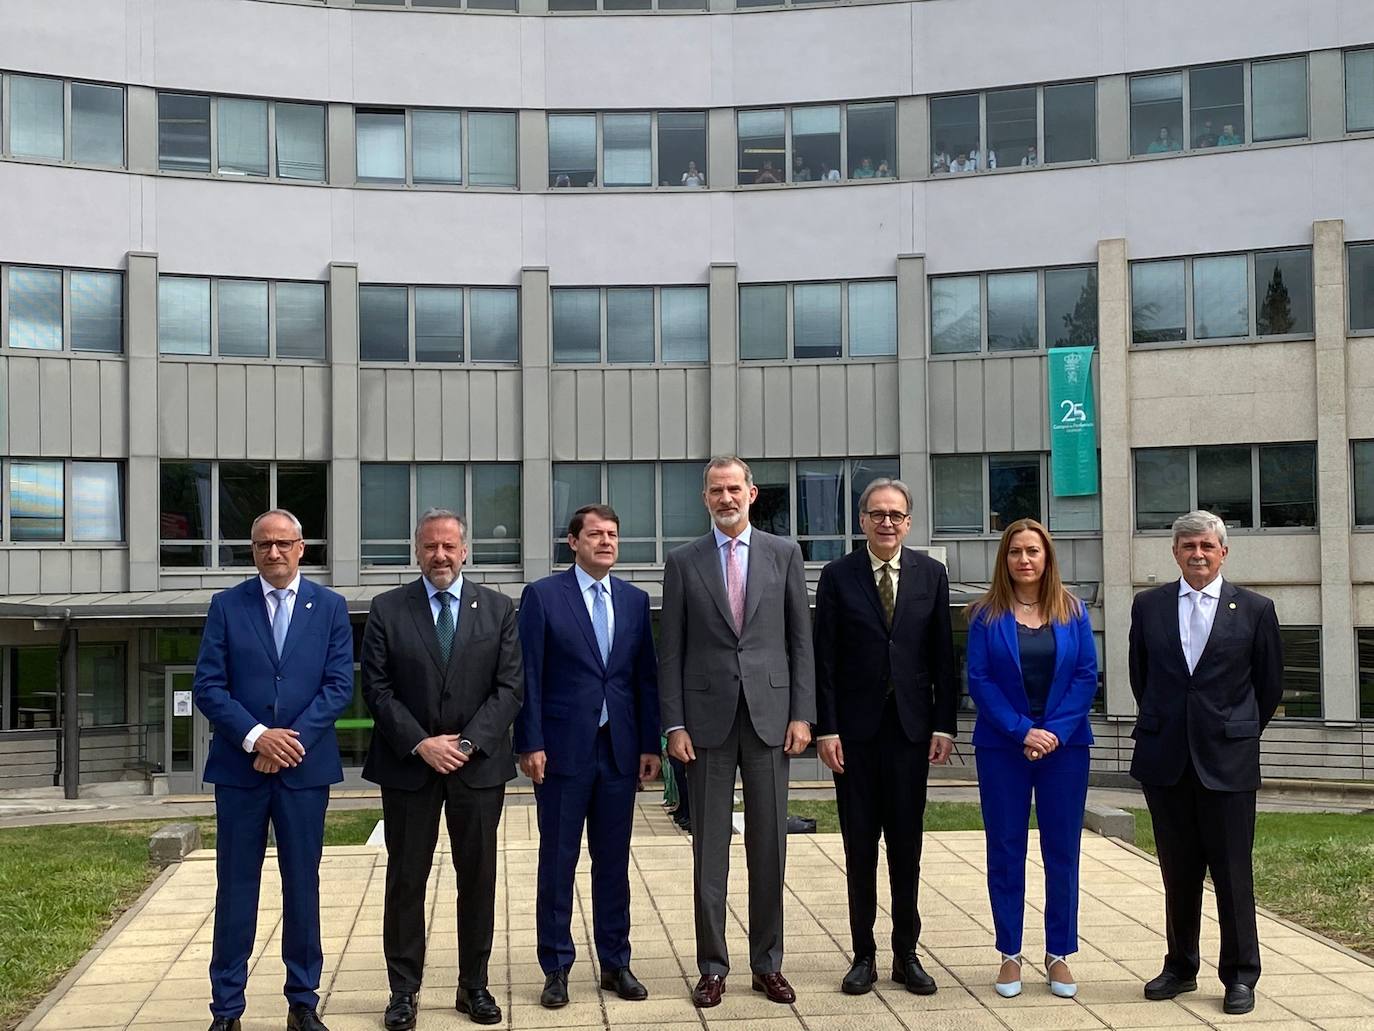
x=1073, y=422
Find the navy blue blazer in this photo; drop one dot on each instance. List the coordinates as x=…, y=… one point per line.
x=566, y=681
x=995, y=684
x=240, y=682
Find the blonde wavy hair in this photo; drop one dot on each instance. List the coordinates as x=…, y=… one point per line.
x=1059, y=604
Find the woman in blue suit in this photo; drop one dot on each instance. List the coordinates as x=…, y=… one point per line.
x=1032, y=672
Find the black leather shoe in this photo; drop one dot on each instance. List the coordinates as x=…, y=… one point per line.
x=478, y=1004
x=301, y=1017
x=224, y=1024
x=861, y=977
x=401, y=1011
x=555, y=994
x=1167, y=985
x=624, y=983
x=907, y=970
x=1240, y=998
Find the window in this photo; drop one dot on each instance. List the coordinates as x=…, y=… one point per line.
x=1222, y=297
x=258, y=138
x=381, y=145
x=48, y=309
x=626, y=5
x=659, y=504
x=39, y=126
x=1157, y=113
x=821, y=320
x=998, y=312
x=816, y=501
x=572, y=150
x=208, y=508
x=1218, y=112
x=977, y=495
x=253, y=318
x=636, y=324
x=1217, y=105
x=681, y=147
x=1270, y=486
x=1302, y=673
x=1362, y=461
x=1364, y=645
x=1359, y=90
x=1278, y=90
x=1360, y=284
x=762, y=146
x=34, y=686
x=450, y=324
x=1020, y=127
x=818, y=143
x=425, y=147
x=443, y=5
x=394, y=495
x=623, y=148
x=64, y=500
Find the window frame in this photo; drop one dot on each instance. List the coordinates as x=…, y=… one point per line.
x=1355, y=525
x=658, y=361
x=411, y=565
x=1046, y=488
x=661, y=544
x=982, y=96
x=214, y=171
x=1256, y=497
x=599, y=7
x=1350, y=248
x=852, y=536
x=419, y=5
x=68, y=539
x=1320, y=715
x=789, y=152
x=1345, y=92
x=66, y=349
x=271, y=355
x=7, y=121
x=845, y=355
x=467, y=361
x=464, y=148
x=1042, y=336
x=600, y=145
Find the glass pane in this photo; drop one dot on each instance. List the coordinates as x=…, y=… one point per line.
x=683, y=313
x=1013, y=311
x=816, y=320
x=1283, y=291
x=438, y=324
x=572, y=150
x=1360, y=283
x=97, y=300
x=873, y=318
x=1070, y=122
x=1071, y=306
x=1365, y=646
x=385, y=493
x=495, y=324
x=495, y=516
x=243, y=496
x=1076, y=513
x=97, y=124
x=872, y=133
x=576, y=325
x=1302, y=672
x=491, y=148
x=303, y=490
x=1224, y=486
x=1012, y=126
x=626, y=145
x=183, y=315
x=36, y=117
x=953, y=133
x=35, y=501
x=1221, y=297
x=630, y=325
x=381, y=146
x=1279, y=89
x=436, y=154
x=1288, y=485
x=1157, y=113
x=440, y=486
x=185, y=501
x=684, y=514
x=183, y=132
x=1161, y=488
x=820, y=509
x=242, y=141
x=957, y=489
x=300, y=320
x=574, y=484
x=242, y=317
x=956, y=325
x=772, y=509
x=1217, y=97
x=763, y=321
x=630, y=491
x=1359, y=90
x=1363, y=453
x=762, y=146
x=35, y=308
x=383, y=324
x=626, y=5
x=681, y=147
x=100, y=672
x=300, y=141
x=816, y=145
x=572, y=5
x=1013, y=491
x=1157, y=301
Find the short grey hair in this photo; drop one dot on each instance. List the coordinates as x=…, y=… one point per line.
x=431, y=514
x=885, y=483
x=283, y=513
x=1194, y=524
x=726, y=462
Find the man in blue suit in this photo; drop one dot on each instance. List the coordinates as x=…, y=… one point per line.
x=587, y=737
x=274, y=673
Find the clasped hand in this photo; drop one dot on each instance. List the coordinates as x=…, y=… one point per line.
x=277, y=748
x=1039, y=743
x=441, y=752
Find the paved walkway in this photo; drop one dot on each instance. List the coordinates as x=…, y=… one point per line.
x=150, y=972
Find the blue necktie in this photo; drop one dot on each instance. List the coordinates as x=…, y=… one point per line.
x=281, y=620
x=601, y=626
x=444, y=625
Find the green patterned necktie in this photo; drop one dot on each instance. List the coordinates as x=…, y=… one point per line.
x=886, y=594
x=444, y=625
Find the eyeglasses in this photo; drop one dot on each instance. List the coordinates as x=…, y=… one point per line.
x=895, y=518
x=265, y=547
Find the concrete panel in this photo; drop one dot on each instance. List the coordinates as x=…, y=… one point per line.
x=616, y=414
x=699, y=414
x=999, y=404
x=1029, y=390
x=54, y=571
x=482, y=413
x=114, y=571
x=807, y=412
x=855, y=396
x=890, y=409
x=372, y=415
x=563, y=415
x=315, y=412
x=113, y=402
x=454, y=386
x=85, y=570
x=749, y=414
x=942, y=414
x=86, y=397
x=777, y=412
x=646, y=394
x=591, y=436
x=509, y=416
x=55, y=406
x=264, y=402
x=23, y=578
x=200, y=409
x=24, y=409
x=400, y=425
x=173, y=440
x=969, y=402
x=231, y=412
x=287, y=382
x=428, y=413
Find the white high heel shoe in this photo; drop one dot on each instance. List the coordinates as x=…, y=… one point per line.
x=1010, y=989
x=1063, y=989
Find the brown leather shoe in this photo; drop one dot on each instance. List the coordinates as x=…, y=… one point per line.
x=775, y=986
x=708, y=991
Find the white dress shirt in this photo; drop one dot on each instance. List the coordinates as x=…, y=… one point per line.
x=292, y=589
x=1209, y=598
x=741, y=552
x=589, y=585
x=455, y=589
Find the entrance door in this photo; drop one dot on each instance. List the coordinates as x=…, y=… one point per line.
x=188, y=735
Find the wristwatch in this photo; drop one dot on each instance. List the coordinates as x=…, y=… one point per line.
x=466, y=747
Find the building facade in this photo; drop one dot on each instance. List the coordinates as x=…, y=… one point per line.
x=514, y=256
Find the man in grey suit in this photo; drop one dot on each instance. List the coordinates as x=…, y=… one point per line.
x=737, y=692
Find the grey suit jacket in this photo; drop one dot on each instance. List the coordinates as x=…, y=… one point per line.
x=704, y=665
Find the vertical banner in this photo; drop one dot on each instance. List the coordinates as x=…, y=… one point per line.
x=1073, y=422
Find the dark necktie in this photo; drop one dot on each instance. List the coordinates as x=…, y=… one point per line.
x=443, y=627
x=887, y=594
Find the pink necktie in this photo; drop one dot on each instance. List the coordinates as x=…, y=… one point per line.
x=734, y=586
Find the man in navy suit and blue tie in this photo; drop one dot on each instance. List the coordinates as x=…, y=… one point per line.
x=587, y=738
x=274, y=673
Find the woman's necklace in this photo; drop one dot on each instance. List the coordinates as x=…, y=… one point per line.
x=1027, y=605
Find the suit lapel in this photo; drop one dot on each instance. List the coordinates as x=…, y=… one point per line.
x=418, y=603
x=1062, y=647
x=759, y=577
x=467, y=620
x=1221, y=621
x=862, y=567
x=572, y=591
x=707, y=563
x=300, y=615
x=1008, y=628
x=256, y=604
x=623, y=616
x=907, y=587
x=1170, y=614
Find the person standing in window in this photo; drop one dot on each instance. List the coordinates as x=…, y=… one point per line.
x=1032, y=673
x=864, y=170
x=767, y=174
x=1229, y=137
x=693, y=177
x=1032, y=157
x=1206, y=663
x=1163, y=143
x=800, y=172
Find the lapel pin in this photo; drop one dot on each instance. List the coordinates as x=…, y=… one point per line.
x=1233, y=605
x=310, y=603
x=474, y=605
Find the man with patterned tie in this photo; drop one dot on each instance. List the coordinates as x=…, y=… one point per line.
x=442, y=677
x=1206, y=665
x=587, y=737
x=275, y=671
x=737, y=692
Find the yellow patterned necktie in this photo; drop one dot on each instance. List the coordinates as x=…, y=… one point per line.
x=886, y=594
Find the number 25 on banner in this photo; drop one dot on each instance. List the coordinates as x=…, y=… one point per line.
x=1073, y=412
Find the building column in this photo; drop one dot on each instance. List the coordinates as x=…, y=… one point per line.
x=724, y=351
x=532, y=136
x=341, y=154
x=721, y=147
x=913, y=142
x=142, y=475
x=1340, y=686
x=913, y=444
x=1114, y=439
x=345, y=532
x=536, y=479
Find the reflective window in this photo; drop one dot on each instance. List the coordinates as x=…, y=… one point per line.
x=681, y=148
x=772, y=509
x=1302, y=673
x=816, y=145
x=1362, y=462
x=954, y=133
x=815, y=500
x=1013, y=311
x=1071, y=306
x=1011, y=115
x=872, y=139
x=763, y=321
x=1283, y=292
x=1157, y=301
x=630, y=325
x=36, y=123
x=576, y=325
x=183, y=315
x=451, y=324
x=1359, y=90
x=1217, y=105
x=1021, y=127
x=495, y=324
x=242, y=137
x=494, y=520
x=1013, y=490
x=1070, y=123
x=821, y=509
x=36, y=501
x=1278, y=90
x=97, y=124
x=1211, y=297
x=976, y=495
x=1000, y=311
x=97, y=311
x=436, y=146
x=1162, y=491
x=872, y=318
x=1288, y=485
x=438, y=324
x=955, y=315
x=300, y=320
x=626, y=155
x=1364, y=645
x=183, y=132
x=640, y=325
x=957, y=492
x=683, y=516
x=659, y=504
x=1272, y=486
x=300, y=141
x=35, y=308
x=253, y=318
x=102, y=692
x=383, y=324
x=1360, y=286
x=762, y=146
x=97, y=501
x=1224, y=485
x=242, y=317
x=827, y=320
x=491, y=148
x=1221, y=297
x=386, y=517
x=1156, y=113
x=683, y=323
x=381, y=146
x=572, y=150
x=816, y=320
